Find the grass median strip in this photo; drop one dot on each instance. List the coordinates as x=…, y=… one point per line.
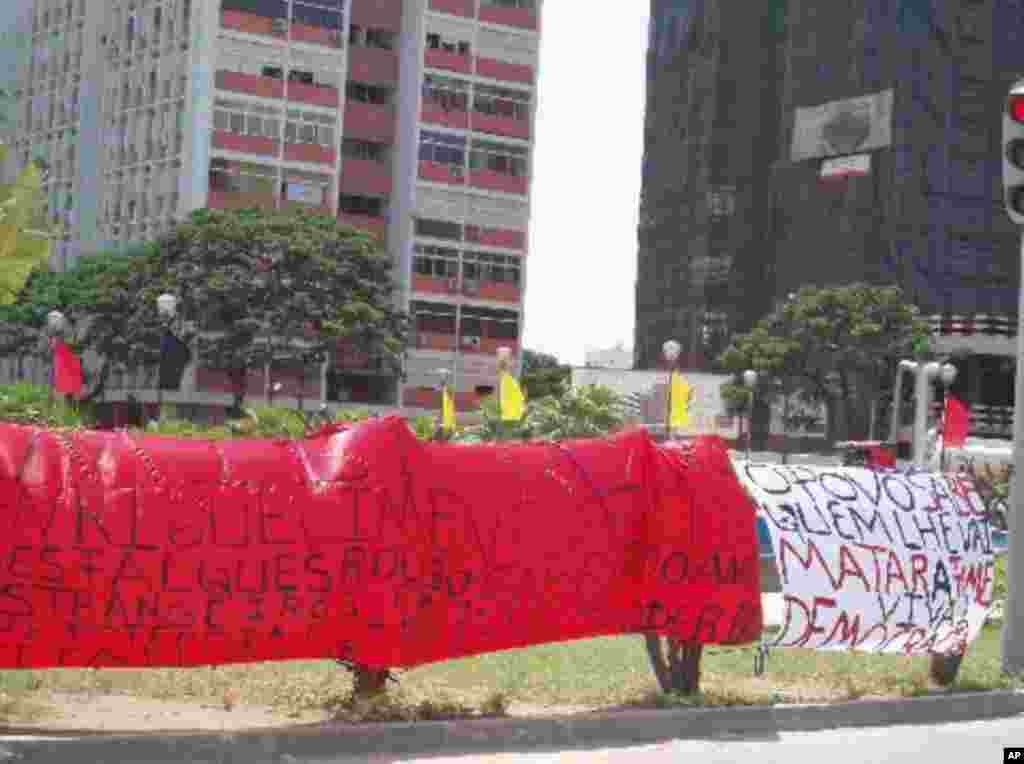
x=559, y=678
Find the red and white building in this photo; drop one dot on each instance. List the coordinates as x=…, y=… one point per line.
x=412, y=119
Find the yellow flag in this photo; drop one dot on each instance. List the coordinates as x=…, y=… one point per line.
x=513, y=405
x=447, y=411
x=679, y=406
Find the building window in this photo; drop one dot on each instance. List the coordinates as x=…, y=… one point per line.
x=501, y=102
x=486, y=322
x=364, y=93
x=371, y=37
x=446, y=93
x=436, y=41
x=502, y=158
x=438, y=229
x=304, y=187
x=354, y=204
x=310, y=127
x=486, y=266
x=526, y=5
x=442, y=148
x=437, y=262
x=352, y=148
x=242, y=177
x=436, y=318
x=243, y=118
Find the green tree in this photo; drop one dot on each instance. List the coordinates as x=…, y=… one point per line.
x=543, y=375
x=837, y=346
x=256, y=288
x=25, y=232
x=79, y=294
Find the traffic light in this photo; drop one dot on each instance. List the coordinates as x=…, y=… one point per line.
x=1013, y=154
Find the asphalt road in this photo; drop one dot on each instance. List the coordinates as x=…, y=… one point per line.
x=975, y=742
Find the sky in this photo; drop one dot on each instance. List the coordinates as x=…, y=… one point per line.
x=581, y=268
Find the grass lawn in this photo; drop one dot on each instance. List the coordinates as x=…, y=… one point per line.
x=587, y=674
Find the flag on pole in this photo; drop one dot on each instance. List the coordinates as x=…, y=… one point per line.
x=513, y=405
x=447, y=410
x=67, y=369
x=955, y=422
x=679, y=402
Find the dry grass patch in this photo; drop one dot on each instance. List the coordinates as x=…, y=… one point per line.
x=579, y=676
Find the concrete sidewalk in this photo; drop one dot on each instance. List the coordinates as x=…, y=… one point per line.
x=337, y=741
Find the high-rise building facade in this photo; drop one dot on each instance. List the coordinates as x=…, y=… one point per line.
x=412, y=119
x=794, y=142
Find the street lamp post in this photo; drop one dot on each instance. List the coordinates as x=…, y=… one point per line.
x=750, y=382
x=167, y=309
x=55, y=325
x=924, y=375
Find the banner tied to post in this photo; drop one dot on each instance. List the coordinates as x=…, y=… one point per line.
x=362, y=544
x=880, y=561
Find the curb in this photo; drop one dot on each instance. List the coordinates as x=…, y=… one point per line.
x=629, y=727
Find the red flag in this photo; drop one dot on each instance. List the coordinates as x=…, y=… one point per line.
x=956, y=422
x=67, y=369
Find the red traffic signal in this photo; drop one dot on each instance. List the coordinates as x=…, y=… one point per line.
x=1015, y=108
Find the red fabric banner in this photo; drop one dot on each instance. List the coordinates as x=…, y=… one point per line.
x=956, y=422
x=361, y=544
x=67, y=369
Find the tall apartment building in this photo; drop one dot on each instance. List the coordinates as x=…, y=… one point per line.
x=412, y=119
x=858, y=141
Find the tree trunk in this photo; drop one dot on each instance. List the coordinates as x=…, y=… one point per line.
x=944, y=669
x=369, y=682
x=238, y=378
x=676, y=663
x=101, y=382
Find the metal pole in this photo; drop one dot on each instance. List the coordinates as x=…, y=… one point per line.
x=1013, y=617
x=924, y=374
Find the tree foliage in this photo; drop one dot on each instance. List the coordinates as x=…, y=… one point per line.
x=586, y=411
x=80, y=294
x=543, y=375
x=255, y=288
x=25, y=231
x=837, y=346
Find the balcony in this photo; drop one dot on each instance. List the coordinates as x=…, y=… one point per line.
x=292, y=382
x=313, y=35
x=365, y=176
x=372, y=65
x=504, y=70
x=376, y=225
x=489, y=345
x=453, y=62
x=514, y=128
x=496, y=237
x=433, y=284
x=499, y=291
x=313, y=153
x=434, y=341
x=435, y=114
x=455, y=7
x=438, y=172
x=498, y=181
x=252, y=84
x=247, y=144
x=382, y=14
x=240, y=200
x=320, y=95
x=250, y=23
x=524, y=18
x=369, y=122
